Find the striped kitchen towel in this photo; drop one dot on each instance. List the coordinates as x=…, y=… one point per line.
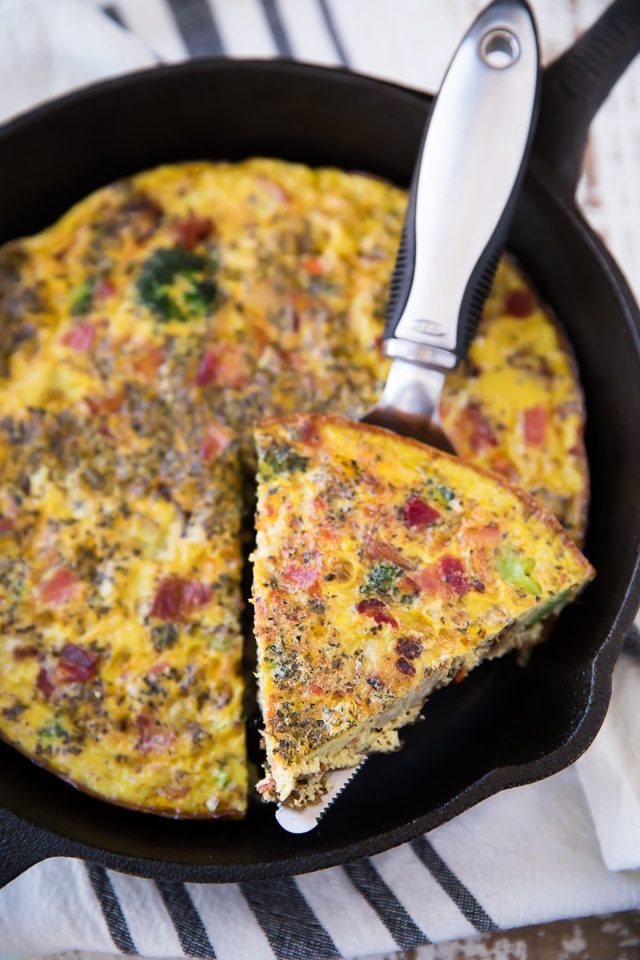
x=531, y=854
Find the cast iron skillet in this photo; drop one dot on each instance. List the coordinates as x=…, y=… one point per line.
x=504, y=726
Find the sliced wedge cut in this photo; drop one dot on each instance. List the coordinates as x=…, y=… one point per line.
x=383, y=569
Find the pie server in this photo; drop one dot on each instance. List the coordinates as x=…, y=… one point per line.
x=464, y=189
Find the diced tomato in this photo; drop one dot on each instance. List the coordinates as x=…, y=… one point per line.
x=75, y=665
x=302, y=576
x=153, y=737
x=376, y=609
x=316, y=689
x=417, y=514
x=216, y=439
x=81, y=337
x=476, y=428
x=520, y=303
x=194, y=230
x=43, y=683
x=314, y=266
x=535, y=425
x=176, y=598
x=57, y=588
x=6, y=525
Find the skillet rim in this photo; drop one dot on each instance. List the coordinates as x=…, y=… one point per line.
x=39, y=843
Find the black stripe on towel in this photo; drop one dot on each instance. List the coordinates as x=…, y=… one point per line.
x=198, y=29
x=367, y=880
x=287, y=921
x=114, y=14
x=461, y=896
x=111, y=909
x=332, y=30
x=277, y=28
x=186, y=920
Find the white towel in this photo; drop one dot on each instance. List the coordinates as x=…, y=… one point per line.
x=565, y=847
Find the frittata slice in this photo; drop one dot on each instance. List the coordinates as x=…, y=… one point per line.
x=383, y=569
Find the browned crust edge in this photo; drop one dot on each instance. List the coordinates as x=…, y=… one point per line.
x=227, y=814
x=567, y=348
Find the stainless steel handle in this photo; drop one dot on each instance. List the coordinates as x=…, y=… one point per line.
x=471, y=161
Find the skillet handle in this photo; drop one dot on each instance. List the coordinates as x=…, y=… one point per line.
x=21, y=846
x=575, y=86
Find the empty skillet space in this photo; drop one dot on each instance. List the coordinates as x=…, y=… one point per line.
x=315, y=116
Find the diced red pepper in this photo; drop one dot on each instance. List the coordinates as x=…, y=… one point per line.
x=520, y=303
x=535, y=425
x=216, y=439
x=176, y=598
x=153, y=737
x=81, y=337
x=6, y=525
x=417, y=514
x=453, y=573
x=376, y=609
x=43, y=683
x=208, y=369
x=447, y=577
x=75, y=665
x=461, y=674
x=58, y=588
x=194, y=230
x=316, y=689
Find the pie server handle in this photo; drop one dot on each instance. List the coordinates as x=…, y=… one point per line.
x=465, y=187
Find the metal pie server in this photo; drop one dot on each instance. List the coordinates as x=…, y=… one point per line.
x=462, y=196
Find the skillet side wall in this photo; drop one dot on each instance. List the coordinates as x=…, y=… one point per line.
x=503, y=726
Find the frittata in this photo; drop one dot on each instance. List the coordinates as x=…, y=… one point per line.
x=514, y=405
x=383, y=569
x=141, y=337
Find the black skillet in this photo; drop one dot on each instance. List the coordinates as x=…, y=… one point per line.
x=504, y=726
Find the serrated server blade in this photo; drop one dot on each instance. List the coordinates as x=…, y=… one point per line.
x=306, y=818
